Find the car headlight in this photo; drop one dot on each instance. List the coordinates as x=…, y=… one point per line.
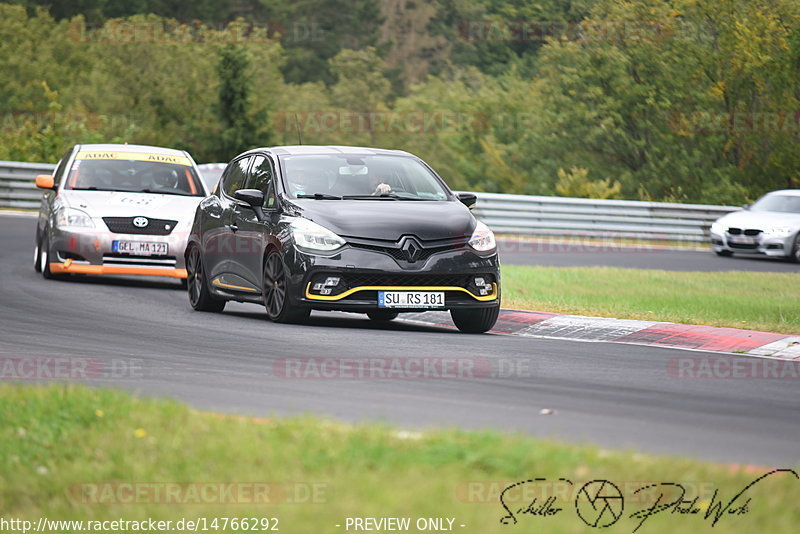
x=482, y=238
x=779, y=231
x=72, y=218
x=717, y=228
x=311, y=235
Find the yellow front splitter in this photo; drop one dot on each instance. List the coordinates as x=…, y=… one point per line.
x=484, y=298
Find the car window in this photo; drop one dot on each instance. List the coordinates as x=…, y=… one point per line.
x=236, y=175
x=781, y=203
x=261, y=177
x=365, y=175
x=62, y=164
x=134, y=172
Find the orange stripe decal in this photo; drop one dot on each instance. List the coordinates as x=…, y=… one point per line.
x=60, y=268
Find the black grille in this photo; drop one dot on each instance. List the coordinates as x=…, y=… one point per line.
x=739, y=231
x=742, y=246
x=124, y=225
x=381, y=279
x=399, y=255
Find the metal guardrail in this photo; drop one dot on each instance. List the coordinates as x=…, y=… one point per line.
x=581, y=217
x=513, y=214
x=17, y=187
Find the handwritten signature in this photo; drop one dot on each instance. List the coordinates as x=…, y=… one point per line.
x=600, y=503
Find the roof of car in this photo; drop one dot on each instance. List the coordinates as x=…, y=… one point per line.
x=133, y=148
x=297, y=150
x=789, y=192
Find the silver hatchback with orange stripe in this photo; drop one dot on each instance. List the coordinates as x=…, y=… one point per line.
x=117, y=210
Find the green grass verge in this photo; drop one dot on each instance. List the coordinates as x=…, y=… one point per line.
x=54, y=438
x=757, y=301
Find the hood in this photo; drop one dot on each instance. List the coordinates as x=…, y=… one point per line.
x=759, y=220
x=120, y=204
x=389, y=219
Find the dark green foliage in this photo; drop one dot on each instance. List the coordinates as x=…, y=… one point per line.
x=241, y=128
x=686, y=100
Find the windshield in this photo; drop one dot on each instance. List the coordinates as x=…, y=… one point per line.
x=781, y=203
x=137, y=173
x=330, y=176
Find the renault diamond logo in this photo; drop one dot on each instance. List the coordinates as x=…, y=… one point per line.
x=140, y=222
x=411, y=249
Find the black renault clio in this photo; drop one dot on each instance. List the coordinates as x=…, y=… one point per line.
x=303, y=228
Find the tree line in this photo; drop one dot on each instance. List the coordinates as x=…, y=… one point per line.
x=670, y=100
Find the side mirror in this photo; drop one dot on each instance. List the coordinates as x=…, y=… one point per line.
x=45, y=181
x=468, y=199
x=746, y=206
x=253, y=198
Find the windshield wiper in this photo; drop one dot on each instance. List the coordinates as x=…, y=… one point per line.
x=382, y=196
x=320, y=196
x=161, y=192
x=93, y=188
x=385, y=196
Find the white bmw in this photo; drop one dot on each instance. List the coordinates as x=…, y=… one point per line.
x=770, y=226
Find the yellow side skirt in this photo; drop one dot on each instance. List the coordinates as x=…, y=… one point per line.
x=219, y=283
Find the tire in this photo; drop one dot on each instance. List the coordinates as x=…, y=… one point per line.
x=723, y=253
x=382, y=315
x=475, y=320
x=37, y=256
x=796, y=250
x=275, y=288
x=200, y=297
x=44, y=258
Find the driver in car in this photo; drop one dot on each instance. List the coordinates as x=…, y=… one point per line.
x=304, y=182
x=379, y=186
x=89, y=178
x=165, y=179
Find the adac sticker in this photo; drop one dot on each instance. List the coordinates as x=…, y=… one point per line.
x=134, y=156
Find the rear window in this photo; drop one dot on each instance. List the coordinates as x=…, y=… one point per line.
x=134, y=173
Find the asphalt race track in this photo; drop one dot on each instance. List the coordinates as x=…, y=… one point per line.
x=565, y=254
x=613, y=395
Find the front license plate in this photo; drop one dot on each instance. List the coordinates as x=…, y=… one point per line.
x=411, y=299
x=140, y=248
x=741, y=240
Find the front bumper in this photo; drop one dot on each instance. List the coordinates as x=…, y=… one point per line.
x=363, y=273
x=88, y=251
x=759, y=244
